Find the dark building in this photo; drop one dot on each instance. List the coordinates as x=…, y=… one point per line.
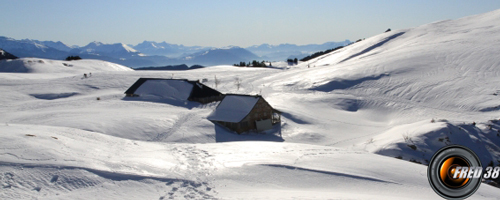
x=6, y=55
x=242, y=113
x=179, y=89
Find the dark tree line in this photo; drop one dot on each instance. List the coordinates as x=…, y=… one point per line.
x=320, y=53
x=254, y=63
x=292, y=61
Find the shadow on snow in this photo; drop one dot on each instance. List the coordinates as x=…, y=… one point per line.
x=223, y=134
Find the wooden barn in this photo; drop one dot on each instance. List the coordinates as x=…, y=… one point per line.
x=242, y=113
x=178, y=89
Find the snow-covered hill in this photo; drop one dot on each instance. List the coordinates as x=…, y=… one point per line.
x=401, y=94
x=65, y=163
x=444, y=70
x=38, y=65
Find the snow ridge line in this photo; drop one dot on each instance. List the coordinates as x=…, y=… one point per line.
x=374, y=46
x=329, y=173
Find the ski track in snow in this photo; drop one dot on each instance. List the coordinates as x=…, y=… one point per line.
x=184, y=117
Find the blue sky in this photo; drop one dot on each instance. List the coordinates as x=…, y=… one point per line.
x=221, y=23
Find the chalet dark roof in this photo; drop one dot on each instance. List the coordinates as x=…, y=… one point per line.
x=139, y=82
x=184, y=88
x=6, y=55
x=201, y=91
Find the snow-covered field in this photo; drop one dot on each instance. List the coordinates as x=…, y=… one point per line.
x=346, y=117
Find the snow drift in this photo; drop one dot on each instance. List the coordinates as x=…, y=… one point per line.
x=38, y=65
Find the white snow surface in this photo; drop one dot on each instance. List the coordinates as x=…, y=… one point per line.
x=405, y=94
x=233, y=108
x=39, y=65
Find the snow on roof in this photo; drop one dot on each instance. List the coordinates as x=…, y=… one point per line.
x=165, y=88
x=233, y=108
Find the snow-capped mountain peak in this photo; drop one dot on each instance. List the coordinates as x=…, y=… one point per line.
x=228, y=47
x=29, y=48
x=102, y=48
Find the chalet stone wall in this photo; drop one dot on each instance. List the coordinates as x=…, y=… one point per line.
x=262, y=110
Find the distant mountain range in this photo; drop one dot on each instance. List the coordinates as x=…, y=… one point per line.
x=149, y=53
x=166, y=49
x=285, y=51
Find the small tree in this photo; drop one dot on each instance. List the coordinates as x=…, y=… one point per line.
x=69, y=58
x=237, y=83
x=217, y=81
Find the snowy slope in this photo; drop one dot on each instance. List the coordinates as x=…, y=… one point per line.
x=377, y=96
x=418, y=141
x=38, y=65
x=445, y=70
x=457, y=59
x=63, y=163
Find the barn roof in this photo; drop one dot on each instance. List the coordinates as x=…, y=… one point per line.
x=181, y=89
x=200, y=90
x=233, y=108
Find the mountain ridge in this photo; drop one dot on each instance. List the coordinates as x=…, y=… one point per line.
x=151, y=53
